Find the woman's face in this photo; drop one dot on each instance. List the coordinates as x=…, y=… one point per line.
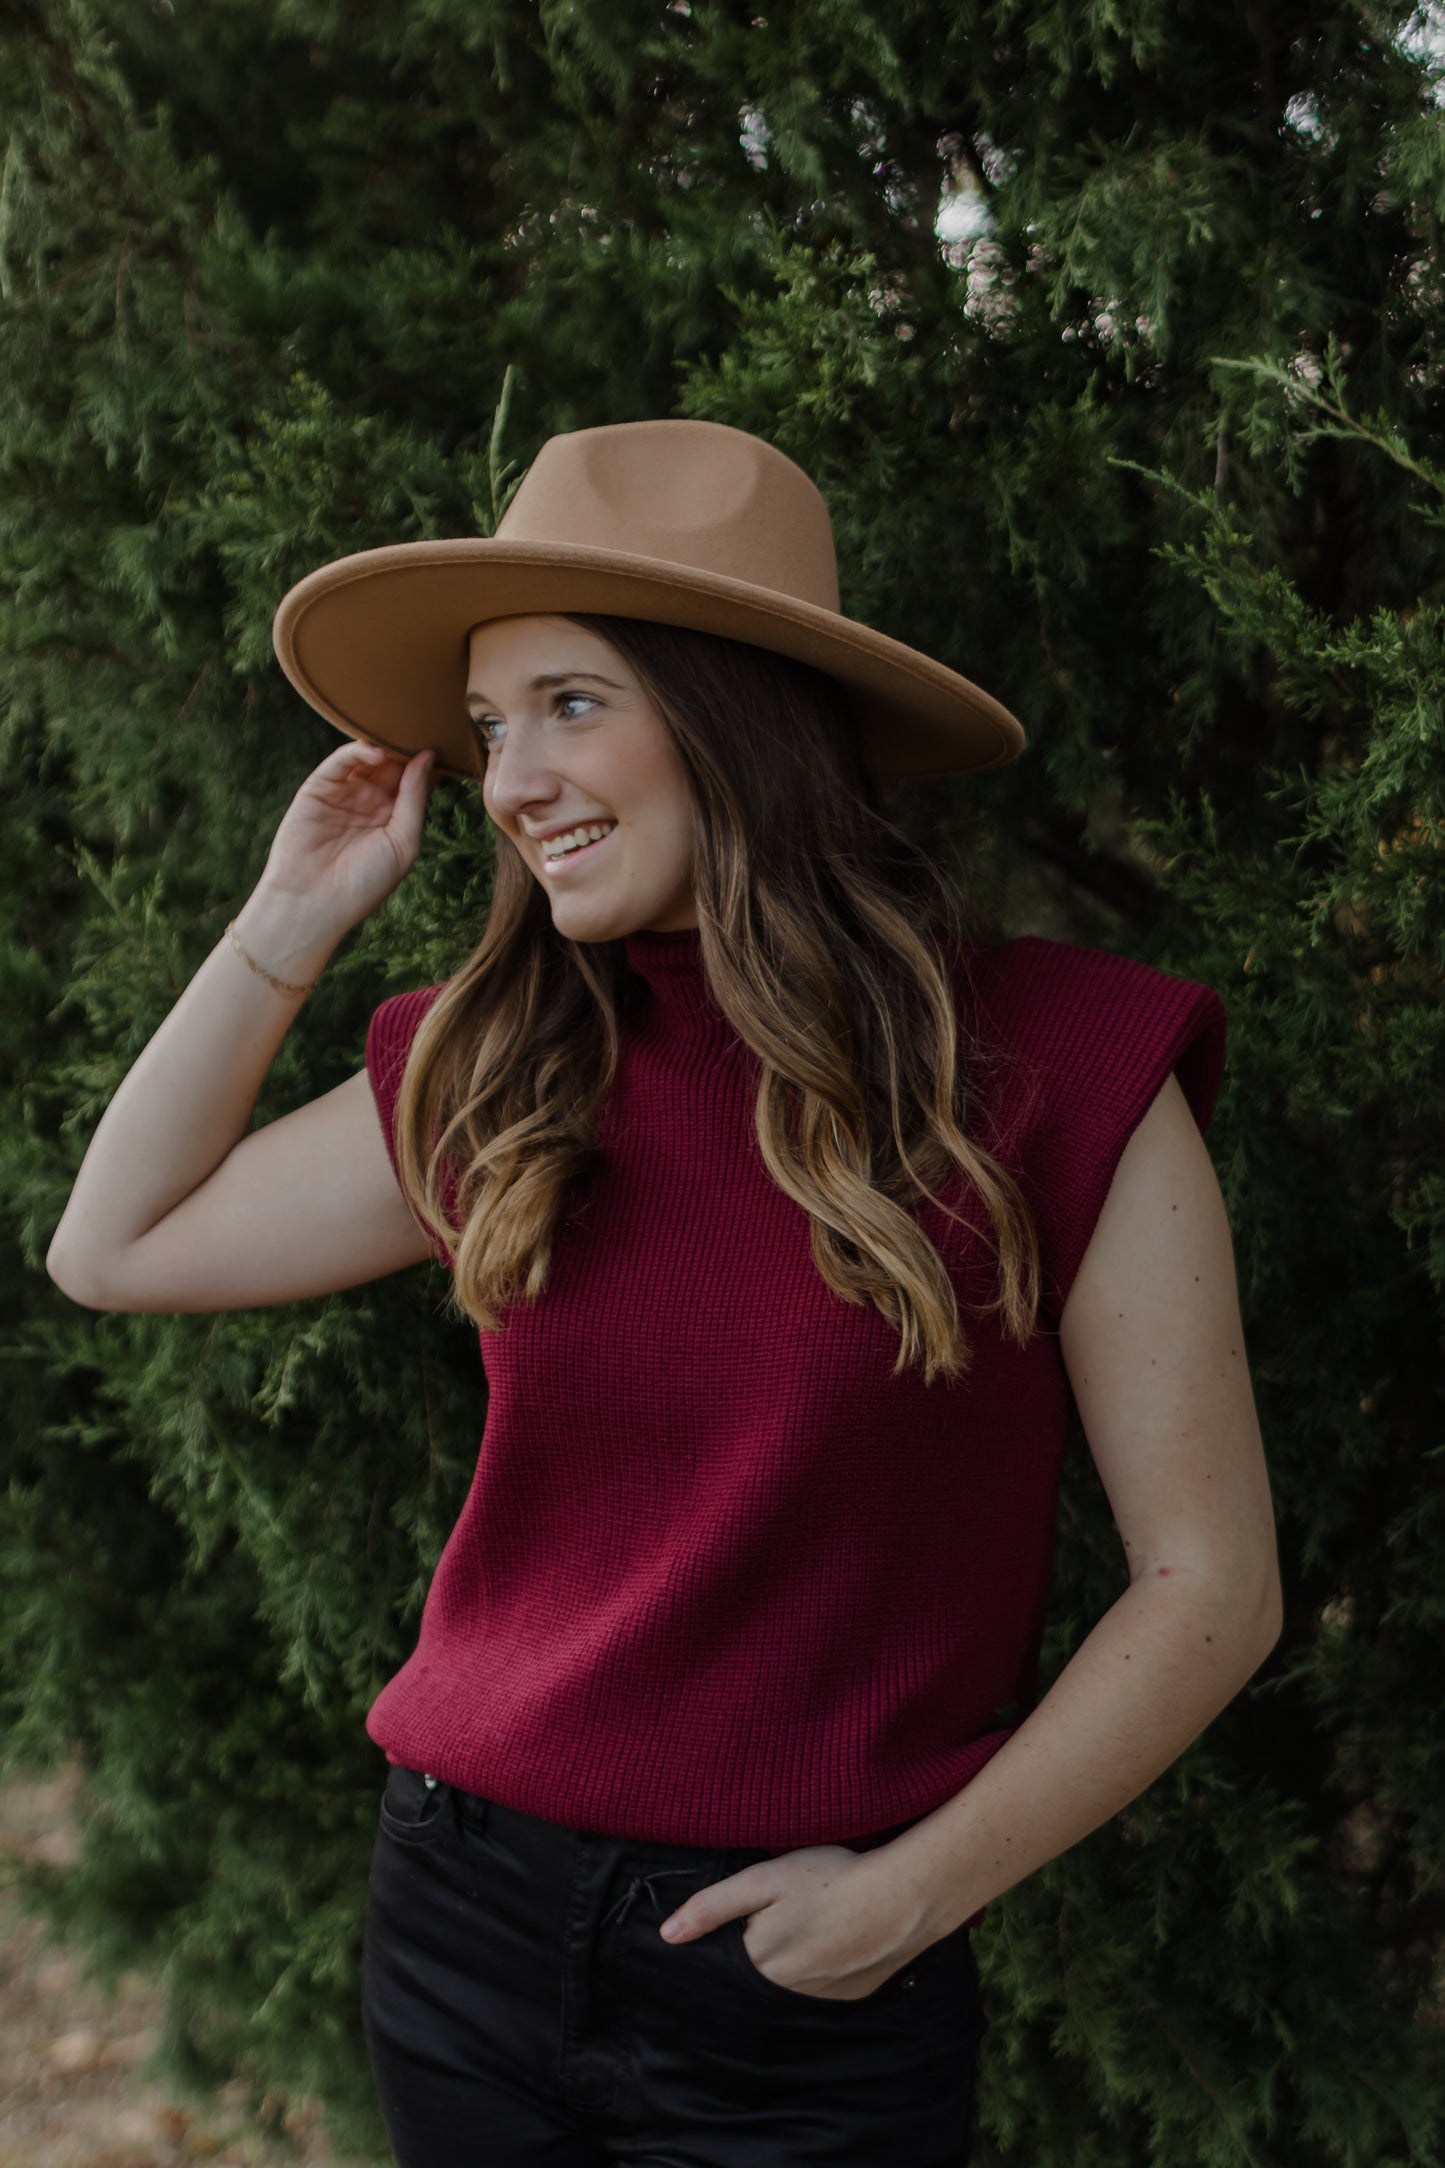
x=586, y=748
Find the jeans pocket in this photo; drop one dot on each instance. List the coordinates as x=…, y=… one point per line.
x=412, y=1805
x=898, y=1989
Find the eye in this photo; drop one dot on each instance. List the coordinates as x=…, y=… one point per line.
x=483, y=724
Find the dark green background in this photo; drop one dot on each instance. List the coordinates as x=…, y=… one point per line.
x=1156, y=456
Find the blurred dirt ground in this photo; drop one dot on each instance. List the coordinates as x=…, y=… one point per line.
x=74, y=2086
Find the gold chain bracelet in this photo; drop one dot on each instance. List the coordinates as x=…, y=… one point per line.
x=281, y=985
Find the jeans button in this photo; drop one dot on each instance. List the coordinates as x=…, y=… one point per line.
x=430, y=1783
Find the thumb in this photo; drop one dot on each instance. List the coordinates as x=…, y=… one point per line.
x=415, y=788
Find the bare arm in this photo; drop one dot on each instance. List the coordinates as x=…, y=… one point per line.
x=176, y=1207
x=1153, y=1345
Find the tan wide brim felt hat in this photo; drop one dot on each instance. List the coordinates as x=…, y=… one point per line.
x=678, y=522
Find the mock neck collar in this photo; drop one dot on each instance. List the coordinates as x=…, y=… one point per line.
x=672, y=966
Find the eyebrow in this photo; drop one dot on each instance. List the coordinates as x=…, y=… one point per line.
x=540, y=684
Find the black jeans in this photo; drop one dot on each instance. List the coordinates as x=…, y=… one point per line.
x=520, y=2008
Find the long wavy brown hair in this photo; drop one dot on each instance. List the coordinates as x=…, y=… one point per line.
x=822, y=933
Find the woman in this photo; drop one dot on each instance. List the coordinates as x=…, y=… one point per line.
x=795, y=1225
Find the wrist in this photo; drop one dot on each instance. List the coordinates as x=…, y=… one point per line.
x=902, y=1900
x=921, y=1901
x=285, y=935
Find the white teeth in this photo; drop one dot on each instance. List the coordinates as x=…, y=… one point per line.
x=558, y=846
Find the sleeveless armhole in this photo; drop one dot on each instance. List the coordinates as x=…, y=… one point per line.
x=388, y=1042
x=1096, y=1036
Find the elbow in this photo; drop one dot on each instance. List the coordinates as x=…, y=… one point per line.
x=1275, y=1627
x=1246, y=1625
x=1241, y=1609
x=1267, y=1612
x=1248, y=1590
x=65, y=1280
x=79, y=1286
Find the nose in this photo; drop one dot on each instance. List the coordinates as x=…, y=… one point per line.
x=514, y=778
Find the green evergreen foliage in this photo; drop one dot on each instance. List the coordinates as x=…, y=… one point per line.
x=1154, y=452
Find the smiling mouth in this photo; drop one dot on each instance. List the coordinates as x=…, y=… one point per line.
x=551, y=867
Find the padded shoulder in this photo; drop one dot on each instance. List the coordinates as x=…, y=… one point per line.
x=1073, y=1046
x=389, y=1035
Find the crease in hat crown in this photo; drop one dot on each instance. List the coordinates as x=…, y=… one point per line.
x=756, y=518
x=679, y=522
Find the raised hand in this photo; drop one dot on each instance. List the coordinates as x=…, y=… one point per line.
x=351, y=834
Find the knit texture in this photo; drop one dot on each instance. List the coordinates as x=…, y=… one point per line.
x=721, y=1578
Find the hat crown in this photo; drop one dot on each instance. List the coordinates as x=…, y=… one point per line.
x=699, y=494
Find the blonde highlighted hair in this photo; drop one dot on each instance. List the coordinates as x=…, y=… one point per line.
x=821, y=928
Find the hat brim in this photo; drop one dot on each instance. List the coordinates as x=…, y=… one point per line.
x=377, y=643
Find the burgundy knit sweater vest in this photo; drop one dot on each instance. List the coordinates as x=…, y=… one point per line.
x=722, y=1578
